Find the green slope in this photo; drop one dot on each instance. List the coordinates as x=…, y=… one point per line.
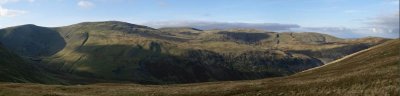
x=31, y=40
x=101, y=50
x=371, y=72
x=16, y=69
x=121, y=51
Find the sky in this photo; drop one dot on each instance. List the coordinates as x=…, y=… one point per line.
x=342, y=18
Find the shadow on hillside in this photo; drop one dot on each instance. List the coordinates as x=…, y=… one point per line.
x=151, y=65
x=245, y=37
x=334, y=53
x=33, y=41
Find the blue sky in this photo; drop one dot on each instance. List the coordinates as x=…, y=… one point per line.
x=357, y=17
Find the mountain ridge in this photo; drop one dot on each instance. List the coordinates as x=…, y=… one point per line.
x=114, y=50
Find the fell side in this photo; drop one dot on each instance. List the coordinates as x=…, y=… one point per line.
x=372, y=72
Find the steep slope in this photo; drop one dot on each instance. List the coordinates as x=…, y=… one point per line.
x=32, y=40
x=15, y=69
x=9, y=67
x=371, y=72
x=147, y=56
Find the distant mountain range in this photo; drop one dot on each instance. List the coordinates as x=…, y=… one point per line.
x=114, y=51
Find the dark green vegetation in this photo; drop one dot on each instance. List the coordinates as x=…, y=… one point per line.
x=372, y=72
x=16, y=69
x=32, y=41
x=122, y=52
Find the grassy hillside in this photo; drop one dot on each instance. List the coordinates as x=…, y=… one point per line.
x=101, y=50
x=31, y=40
x=371, y=72
x=16, y=69
x=121, y=51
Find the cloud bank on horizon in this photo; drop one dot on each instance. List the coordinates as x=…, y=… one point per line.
x=342, y=18
x=383, y=26
x=209, y=25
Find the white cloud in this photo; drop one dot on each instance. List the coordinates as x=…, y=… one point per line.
x=10, y=1
x=206, y=25
x=341, y=32
x=9, y=12
x=380, y=27
x=85, y=4
x=7, y=1
x=385, y=24
x=5, y=12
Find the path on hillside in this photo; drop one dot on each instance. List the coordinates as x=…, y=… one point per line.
x=343, y=58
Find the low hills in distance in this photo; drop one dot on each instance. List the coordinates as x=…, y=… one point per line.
x=114, y=51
